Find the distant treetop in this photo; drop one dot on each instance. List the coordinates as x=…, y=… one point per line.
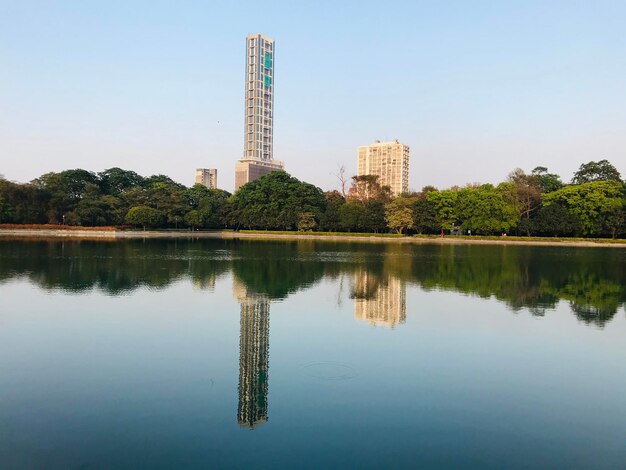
x=596, y=171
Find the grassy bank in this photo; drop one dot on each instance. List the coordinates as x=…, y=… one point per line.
x=525, y=239
x=448, y=239
x=55, y=231
x=322, y=234
x=56, y=227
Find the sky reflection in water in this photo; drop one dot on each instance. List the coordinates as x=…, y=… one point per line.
x=158, y=353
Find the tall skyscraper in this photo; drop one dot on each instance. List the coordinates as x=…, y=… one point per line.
x=387, y=160
x=207, y=177
x=258, y=157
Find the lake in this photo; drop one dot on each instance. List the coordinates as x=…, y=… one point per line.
x=224, y=353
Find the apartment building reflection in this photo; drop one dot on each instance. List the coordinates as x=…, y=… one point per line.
x=379, y=299
x=253, y=356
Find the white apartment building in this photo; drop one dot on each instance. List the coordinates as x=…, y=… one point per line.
x=389, y=161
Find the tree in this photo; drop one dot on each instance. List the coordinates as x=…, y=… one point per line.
x=77, y=181
x=596, y=171
x=554, y=219
x=275, y=202
x=135, y=196
x=487, y=210
x=169, y=198
x=330, y=219
x=116, y=181
x=446, y=208
x=196, y=194
x=352, y=216
x=144, y=216
x=593, y=203
x=6, y=211
x=425, y=216
x=374, y=217
x=526, y=193
x=60, y=200
x=194, y=218
x=399, y=214
x=90, y=210
x=548, y=182
x=427, y=189
x=150, y=181
x=66, y=190
x=23, y=203
x=615, y=220
x=343, y=179
x=212, y=204
x=114, y=209
x=367, y=188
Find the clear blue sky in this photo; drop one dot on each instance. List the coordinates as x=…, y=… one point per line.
x=476, y=88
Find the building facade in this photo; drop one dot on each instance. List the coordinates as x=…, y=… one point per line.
x=249, y=170
x=387, y=160
x=258, y=153
x=207, y=177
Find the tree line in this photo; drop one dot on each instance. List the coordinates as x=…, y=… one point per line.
x=593, y=204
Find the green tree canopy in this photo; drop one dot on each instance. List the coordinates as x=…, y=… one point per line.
x=547, y=182
x=352, y=217
x=330, y=220
x=275, y=202
x=425, y=215
x=446, y=207
x=487, y=209
x=212, y=204
x=596, y=171
x=554, y=219
x=115, y=181
x=144, y=216
x=592, y=203
x=399, y=213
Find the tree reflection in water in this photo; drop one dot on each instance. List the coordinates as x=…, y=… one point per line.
x=591, y=280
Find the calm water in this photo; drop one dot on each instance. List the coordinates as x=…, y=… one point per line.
x=178, y=354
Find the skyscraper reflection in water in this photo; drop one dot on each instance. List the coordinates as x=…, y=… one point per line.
x=253, y=356
x=379, y=299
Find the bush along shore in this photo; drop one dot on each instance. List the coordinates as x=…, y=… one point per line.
x=538, y=204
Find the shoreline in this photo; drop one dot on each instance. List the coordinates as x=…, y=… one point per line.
x=110, y=235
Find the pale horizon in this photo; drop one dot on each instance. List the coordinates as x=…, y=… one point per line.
x=474, y=90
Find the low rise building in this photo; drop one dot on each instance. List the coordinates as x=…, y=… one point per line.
x=207, y=177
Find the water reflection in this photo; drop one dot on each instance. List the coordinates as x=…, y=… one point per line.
x=90, y=348
x=592, y=281
x=253, y=356
x=206, y=283
x=379, y=300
